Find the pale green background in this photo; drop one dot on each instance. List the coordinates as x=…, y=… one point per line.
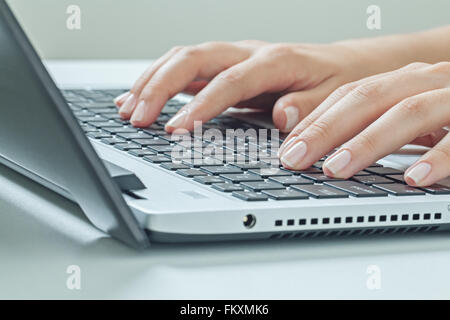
x=147, y=28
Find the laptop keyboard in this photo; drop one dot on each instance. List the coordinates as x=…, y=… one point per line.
x=237, y=171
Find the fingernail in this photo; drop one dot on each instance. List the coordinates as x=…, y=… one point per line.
x=419, y=172
x=338, y=162
x=291, y=114
x=285, y=145
x=177, y=120
x=128, y=106
x=294, y=155
x=139, y=113
x=122, y=97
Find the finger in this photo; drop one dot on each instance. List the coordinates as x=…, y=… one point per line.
x=239, y=83
x=336, y=96
x=140, y=82
x=410, y=118
x=431, y=167
x=356, y=111
x=290, y=109
x=203, y=61
x=263, y=101
x=195, y=87
x=431, y=139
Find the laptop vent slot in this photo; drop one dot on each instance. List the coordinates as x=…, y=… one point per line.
x=351, y=232
x=355, y=220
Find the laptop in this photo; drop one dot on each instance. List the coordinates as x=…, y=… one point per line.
x=130, y=183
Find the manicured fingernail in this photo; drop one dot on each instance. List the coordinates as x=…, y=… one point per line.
x=177, y=120
x=285, y=145
x=338, y=162
x=139, y=113
x=128, y=106
x=419, y=172
x=122, y=97
x=292, y=156
x=291, y=114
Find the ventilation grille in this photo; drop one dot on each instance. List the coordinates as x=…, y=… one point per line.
x=351, y=232
x=359, y=219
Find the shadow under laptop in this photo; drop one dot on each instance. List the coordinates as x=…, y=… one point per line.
x=35, y=216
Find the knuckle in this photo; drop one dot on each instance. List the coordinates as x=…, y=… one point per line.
x=279, y=50
x=231, y=77
x=412, y=107
x=441, y=151
x=320, y=129
x=367, y=91
x=345, y=89
x=416, y=65
x=441, y=67
x=176, y=48
x=191, y=52
x=367, y=141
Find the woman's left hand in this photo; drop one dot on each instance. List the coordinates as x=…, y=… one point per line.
x=374, y=117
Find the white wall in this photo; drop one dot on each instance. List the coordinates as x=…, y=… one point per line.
x=147, y=28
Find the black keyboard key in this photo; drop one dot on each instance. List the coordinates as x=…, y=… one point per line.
x=216, y=170
x=126, y=146
x=369, y=180
x=189, y=173
x=141, y=153
x=134, y=135
x=357, y=189
x=208, y=179
x=99, y=135
x=285, y=194
x=362, y=173
x=97, y=105
x=262, y=185
x=161, y=148
x=90, y=118
x=437, y=189
x=397, y=177
x=375, y=165
x=319, y=177
x=290, y=180
x=321, y=191
x=227, y=187
x=84, y=113
x=398, y=189
x=269, y=172
x=87, y=128
x=250, y=165
x=383, y=170
x=157, y=159
x=112, y=141
x=243, y=177
x=249, y=196
x=150, y=142
x=121, y=130
x=174, y=166
x=201, y=162
x=112, y=110
x=105, y=124
x=308, y=170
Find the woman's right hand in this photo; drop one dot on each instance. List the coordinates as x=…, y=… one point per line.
x=290, y=78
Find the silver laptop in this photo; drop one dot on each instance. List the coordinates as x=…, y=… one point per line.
x=143, y=185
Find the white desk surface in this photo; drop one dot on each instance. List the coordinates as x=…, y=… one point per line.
x=41, y=234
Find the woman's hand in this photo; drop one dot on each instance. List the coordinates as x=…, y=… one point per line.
x=374, y=117
x=290, y=78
